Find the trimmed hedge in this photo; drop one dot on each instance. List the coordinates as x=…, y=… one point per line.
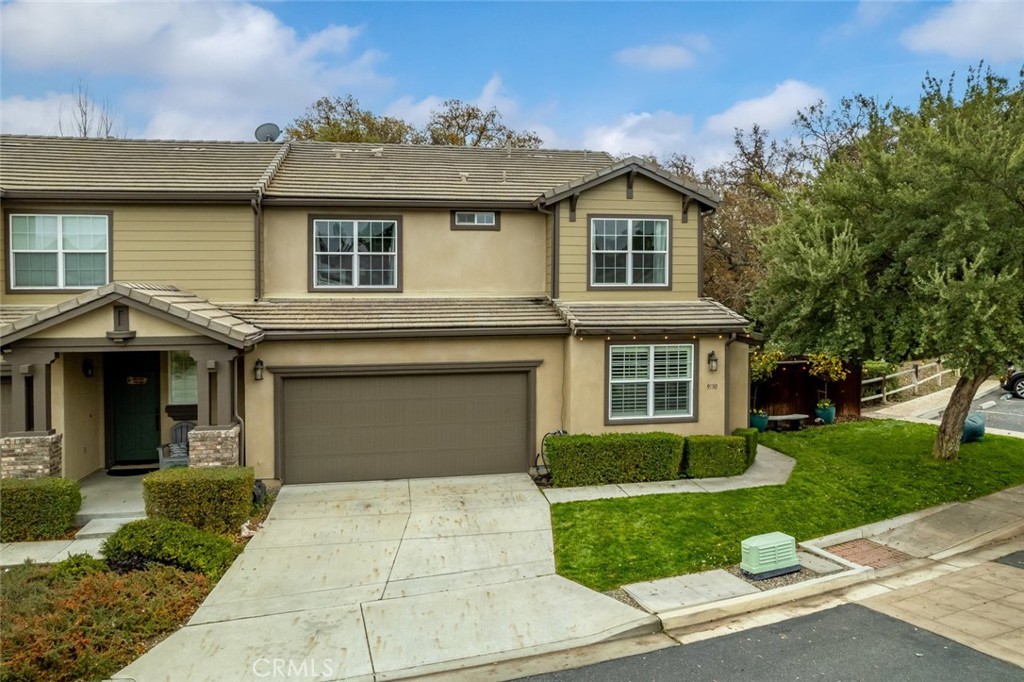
x=217, y=499
x=137, y=544
x=613, y=458
x=37, y=508
x=750, y=435
x=713, y=456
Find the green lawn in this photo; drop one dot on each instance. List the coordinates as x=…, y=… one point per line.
x=846, y=475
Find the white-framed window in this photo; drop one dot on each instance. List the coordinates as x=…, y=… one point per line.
x=354, y=254
x=58, y=251
x=476, y=220
x=182, y=388
x=626, y=252
x=650, y=381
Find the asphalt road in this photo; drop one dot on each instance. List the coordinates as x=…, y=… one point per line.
x=1008, y=413
x=849, y=643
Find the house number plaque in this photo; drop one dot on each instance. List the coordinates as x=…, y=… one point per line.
x=137, y=381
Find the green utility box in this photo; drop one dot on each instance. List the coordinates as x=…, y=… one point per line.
x=769, y=555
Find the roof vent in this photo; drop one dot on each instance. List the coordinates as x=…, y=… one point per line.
x=377, y=152
x=464, y=177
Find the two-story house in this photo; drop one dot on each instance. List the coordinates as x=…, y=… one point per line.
x=333, y=312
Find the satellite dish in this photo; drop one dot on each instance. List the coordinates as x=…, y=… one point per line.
x=268, y=132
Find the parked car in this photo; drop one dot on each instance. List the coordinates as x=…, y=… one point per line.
x=1014, y=381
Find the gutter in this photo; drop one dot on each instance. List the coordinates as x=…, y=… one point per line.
x=398, y=202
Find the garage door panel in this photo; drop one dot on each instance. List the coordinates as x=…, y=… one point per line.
x=364, y=428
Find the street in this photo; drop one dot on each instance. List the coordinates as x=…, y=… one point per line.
x=1007, y=413
x=849, y=643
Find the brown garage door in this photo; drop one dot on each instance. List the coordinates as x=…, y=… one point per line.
x=360, y=428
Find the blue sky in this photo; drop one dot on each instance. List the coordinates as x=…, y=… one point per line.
x=624, y=77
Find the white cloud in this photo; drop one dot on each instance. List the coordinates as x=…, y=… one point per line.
x=659, y=133
x=656, y=57
x=971, y=30
x=33, y=116
x=773, y=111
x=211, y=70
x=412, y=110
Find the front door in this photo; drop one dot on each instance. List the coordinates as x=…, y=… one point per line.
x=133, y=407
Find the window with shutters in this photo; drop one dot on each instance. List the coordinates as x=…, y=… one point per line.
x=650, y=381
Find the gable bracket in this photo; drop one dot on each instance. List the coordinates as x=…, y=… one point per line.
x=686, y=208
x=629, y=183
x=573, y=200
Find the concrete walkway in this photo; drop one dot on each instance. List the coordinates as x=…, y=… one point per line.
x=391, y=579
x=769, y=468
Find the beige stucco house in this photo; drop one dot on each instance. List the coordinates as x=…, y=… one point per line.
x=331, y=312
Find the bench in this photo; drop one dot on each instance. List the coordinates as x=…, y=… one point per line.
x=795, y=421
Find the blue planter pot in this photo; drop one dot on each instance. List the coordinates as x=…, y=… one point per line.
x=759, y=422
x=826, y=414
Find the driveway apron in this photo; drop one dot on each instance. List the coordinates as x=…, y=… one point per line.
x=390, y=579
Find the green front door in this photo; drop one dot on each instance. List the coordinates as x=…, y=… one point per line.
x=133, y=407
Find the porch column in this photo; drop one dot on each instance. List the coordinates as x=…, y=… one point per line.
x=213, y=364
x=30, y=367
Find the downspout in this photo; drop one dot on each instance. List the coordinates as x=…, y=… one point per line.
x=554, y=248
x=237, y=416
x=257, y=228
x=728, y=367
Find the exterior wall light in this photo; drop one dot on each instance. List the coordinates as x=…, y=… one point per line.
x=88, y=369
x=258, y=370
x=712, y=362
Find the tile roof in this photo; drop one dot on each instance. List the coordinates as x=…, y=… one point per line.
x=400, y=316
x=10, y=313
x=165, y=298
x=74, y=164
x=409, y=172
x=703, y=316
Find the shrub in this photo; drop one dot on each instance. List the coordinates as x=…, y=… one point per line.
x=873, y=369
x=38, y=508
x=76, y=567
x=217, y=499
x=172, y=543
x=712, y=456
x=613, y=458
x=88, y=629
x=750, y=436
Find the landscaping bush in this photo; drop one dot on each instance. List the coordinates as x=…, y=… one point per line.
x=38, y=508
x=161, y=541
x=613, y=458
x=217, y=499
x=77, y=566
x=872, y=369
x=750, y=435
x=712, y=456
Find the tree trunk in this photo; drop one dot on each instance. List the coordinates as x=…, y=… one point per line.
x=947, y=441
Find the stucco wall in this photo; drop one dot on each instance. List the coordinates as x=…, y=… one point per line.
x=738, y=366
x=77, y=412
x=649, y=199
x=96, y=323
x=587, y=391
x=207, y=250
x=434, y=259
x=259, y=436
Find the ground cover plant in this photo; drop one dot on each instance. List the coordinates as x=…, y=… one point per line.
x=846, y=475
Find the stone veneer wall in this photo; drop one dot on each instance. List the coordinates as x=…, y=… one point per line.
x=31, y=456
x=212, y=447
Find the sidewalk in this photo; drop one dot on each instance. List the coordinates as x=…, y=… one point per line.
x=922, y=410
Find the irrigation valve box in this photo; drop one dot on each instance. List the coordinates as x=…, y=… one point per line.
x=769, y=555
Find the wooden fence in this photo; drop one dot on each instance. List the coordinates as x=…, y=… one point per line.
x=913, y=384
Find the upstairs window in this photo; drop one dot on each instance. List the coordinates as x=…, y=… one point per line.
x=476, y=220
x=355, y=254
x=650, y=382
x=55, y=251
x=629, y=252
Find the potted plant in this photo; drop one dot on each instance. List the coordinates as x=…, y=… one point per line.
x=825, y=411
x=762, y=365
x=827, y=368
x=759, y=420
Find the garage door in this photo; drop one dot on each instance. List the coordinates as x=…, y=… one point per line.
x=358, y=428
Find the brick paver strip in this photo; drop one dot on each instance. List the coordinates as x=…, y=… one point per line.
x=868, y=553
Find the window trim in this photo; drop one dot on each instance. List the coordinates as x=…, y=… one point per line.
x=591, y=217
x=170, y=379
x=9, y=287
x=648, y=341
x=311, y=257
x=495, y=227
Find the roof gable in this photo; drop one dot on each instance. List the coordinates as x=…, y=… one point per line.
x=181, y=308
x=636, y=165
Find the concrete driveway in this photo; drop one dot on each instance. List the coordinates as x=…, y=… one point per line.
x=390, y=579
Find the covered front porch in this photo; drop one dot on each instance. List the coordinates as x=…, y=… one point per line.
x=101, y=381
